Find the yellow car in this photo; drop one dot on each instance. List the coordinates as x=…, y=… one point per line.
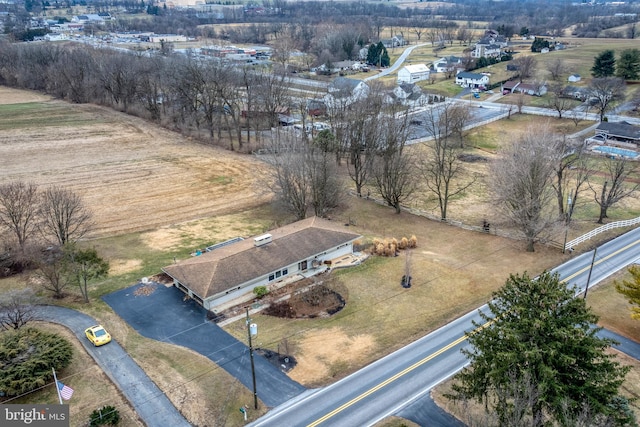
x=97, y=335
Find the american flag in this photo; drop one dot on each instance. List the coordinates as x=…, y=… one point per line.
x=65, y=391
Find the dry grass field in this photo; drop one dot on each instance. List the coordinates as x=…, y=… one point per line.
x=133, y=175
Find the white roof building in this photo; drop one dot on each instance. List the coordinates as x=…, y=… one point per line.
x=413, y=73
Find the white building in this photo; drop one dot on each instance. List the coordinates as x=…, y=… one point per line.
x=472, y=80
x=413, y=73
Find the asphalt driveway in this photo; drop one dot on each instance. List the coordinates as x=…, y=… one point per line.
x=151, y=404
x=165, y=316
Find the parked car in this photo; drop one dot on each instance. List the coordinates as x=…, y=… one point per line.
x=97, y=335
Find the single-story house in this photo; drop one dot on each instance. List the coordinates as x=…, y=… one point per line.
x=515, y=86
x=472, y=80
x=618, y=132
x=510, y=86
x=581, y=93
x=573, y=78
x=302, y=248
x=531, y=89
x=413, y=73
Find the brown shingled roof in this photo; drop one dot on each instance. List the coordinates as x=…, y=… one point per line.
x=232, y=265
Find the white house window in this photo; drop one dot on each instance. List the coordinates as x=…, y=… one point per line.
x=285, y=271
x=271, y=277
x=278, y=273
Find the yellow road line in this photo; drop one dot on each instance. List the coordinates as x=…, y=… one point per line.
x=393, y=378
x=444, y=349
x=601, y=260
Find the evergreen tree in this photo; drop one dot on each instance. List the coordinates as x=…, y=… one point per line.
x=631, y=290
x=537, y=356
x=373, y=54
x=628, y=66
x=604, y=64
x=385, y=61
x=105, y=416
x=378, y=55
x=27, y=356
x=539, y=44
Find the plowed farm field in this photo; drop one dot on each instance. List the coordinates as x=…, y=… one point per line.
x=132, y=174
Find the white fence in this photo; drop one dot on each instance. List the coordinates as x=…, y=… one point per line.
x=595, y=232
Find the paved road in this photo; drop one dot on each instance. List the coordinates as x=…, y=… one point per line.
x=386, y=387
x=151, y=404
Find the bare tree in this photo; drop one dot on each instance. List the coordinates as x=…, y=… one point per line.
x=304, y=175
x=17, y=308
x=462, y=34
x=520, y=101
x=522, y=181
x=616, y=185
x=118, y=76
x=572, y=171
x=64, y=215
x=526, y=66
x=606, y=91
x=152, y=92
x=282, y=49
x=442, y=167
x=326, y=187
x=291, y=179
x=19, y=203
x=557, y=68
x=358, y=129
x=417, y=27
x=394, y=168
x=557, y=100
x=52, y=272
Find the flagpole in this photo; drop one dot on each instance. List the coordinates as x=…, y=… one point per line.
x=55, y=382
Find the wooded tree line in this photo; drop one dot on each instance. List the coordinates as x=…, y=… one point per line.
x=183, y=93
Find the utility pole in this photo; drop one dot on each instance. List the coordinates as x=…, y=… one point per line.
x=595, y=251
x=253, y=369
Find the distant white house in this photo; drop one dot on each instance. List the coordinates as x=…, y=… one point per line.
x=449, y=63
x=489, y=46
x=345, y=91
x=413, y=73
x=471, y=80
x=409, y=94
x=573, y=78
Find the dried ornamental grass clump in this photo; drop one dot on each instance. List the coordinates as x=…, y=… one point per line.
x=391, y=247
